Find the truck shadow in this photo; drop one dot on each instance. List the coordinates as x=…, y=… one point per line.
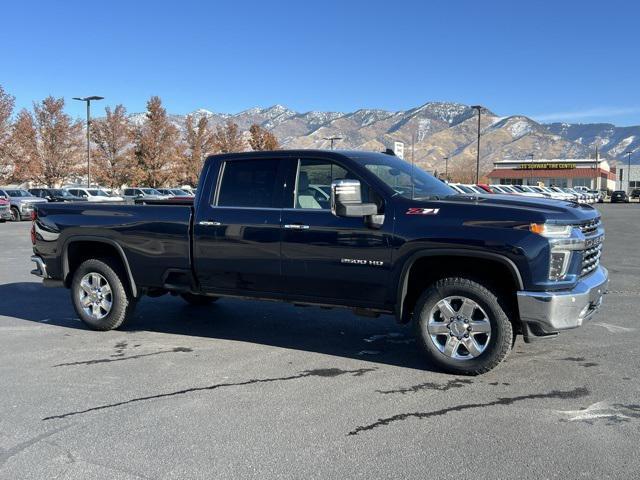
x=332, y=332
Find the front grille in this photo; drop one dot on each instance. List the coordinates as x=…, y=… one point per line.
x=591, y=227
x=591, y=256
x=591, y=259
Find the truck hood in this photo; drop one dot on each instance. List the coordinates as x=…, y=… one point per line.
x=520, y=208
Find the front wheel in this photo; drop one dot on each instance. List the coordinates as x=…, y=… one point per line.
x=15, y=215
x=99, y=295
x=462, y=326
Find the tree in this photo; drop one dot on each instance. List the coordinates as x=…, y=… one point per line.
x=7, y=103
x=198, y=143
x=156, y=145
x=227, y=138
x=112, y=136
x=262, y=139
x=46, y=145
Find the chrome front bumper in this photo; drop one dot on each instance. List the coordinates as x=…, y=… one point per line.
x=548, y=312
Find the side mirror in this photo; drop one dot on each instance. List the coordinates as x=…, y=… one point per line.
x=84, y=195
x=48, y=197
x=346, y=200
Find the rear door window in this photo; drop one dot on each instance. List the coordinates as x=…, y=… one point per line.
x=250, y=183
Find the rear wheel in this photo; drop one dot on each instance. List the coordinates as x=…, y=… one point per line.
x=99, y=295
x=198, y=300
x=462, y=326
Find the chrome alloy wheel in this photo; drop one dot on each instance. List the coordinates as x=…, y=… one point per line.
x=459, y=328
x=95, y=295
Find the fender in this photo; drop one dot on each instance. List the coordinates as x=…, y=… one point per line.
x=451, y=252
x=89, y=238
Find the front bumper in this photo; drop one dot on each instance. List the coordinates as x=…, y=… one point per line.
x=5, y=214
x=545, y=313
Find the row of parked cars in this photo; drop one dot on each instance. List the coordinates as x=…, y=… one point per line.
x=577, y=194
x=17, y=203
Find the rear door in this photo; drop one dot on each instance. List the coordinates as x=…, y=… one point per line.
x=237, y=229
x=328, y=258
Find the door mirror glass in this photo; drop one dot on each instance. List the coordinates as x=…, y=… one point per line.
x=346, y=200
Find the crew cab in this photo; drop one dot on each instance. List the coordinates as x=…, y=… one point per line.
x=468, y=271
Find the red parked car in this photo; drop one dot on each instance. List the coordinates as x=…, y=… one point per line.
x=485, y=187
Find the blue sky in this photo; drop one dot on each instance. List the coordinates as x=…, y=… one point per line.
x=553, y=61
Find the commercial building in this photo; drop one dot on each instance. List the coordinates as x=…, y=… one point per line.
x=588, y=172
x=623, y=182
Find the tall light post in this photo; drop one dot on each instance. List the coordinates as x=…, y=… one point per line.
x=88, y=101
x=628, y=154
x=446, y=168
x=332, y=139
x=479, y=108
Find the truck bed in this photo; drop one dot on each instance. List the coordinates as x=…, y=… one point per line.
x=154, y=240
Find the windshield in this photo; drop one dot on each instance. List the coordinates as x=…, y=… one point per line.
x=18, y=193
x=405, y=179
x=150, y=191
x=179, y=193
x=97, y=193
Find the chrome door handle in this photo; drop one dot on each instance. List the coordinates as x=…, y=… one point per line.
x=296, y=226
x=209, y=223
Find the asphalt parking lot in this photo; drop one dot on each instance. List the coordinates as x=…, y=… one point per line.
x=267, y=390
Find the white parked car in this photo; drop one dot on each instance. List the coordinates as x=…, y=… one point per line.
x=142, y=193
x=527, y=191
x=93, y=194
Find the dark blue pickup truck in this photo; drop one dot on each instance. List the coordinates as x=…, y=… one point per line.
x=361, y=230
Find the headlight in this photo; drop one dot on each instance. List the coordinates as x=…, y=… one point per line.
x=562, y=242
x=550, y=230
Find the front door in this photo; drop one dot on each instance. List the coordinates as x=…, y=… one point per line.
x=237, y=233
x=328, y=258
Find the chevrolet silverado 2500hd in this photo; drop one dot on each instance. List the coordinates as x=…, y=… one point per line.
x=361, y=230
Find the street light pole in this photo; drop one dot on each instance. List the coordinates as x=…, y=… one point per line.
x=332, y=139
x=478, y=107
x=88, y=101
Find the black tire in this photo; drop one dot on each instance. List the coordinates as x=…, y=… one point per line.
x=122, y=302
x=15, y=215
x=496, y=345
x=198, y=300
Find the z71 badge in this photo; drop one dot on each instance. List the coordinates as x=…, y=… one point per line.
x=423, y=211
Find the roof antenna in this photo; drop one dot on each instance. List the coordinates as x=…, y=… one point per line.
x=389, y=151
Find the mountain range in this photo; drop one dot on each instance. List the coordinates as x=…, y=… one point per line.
x=436, y=130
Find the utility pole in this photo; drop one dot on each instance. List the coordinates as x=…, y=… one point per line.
x=446, y=168
x=479, y=108
x=332, y=139
x=88, y=101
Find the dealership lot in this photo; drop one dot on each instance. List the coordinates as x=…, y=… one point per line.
x=257, y=389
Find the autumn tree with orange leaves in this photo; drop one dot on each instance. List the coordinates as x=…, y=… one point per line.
x=7, y=103
x=47, y=144
x=199, y=142
x=227, y=138
x=156, y=145
x=113, y=153
x=262, y=139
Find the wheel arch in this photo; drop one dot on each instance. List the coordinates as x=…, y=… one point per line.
x=403, y=309
x=69, y=264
